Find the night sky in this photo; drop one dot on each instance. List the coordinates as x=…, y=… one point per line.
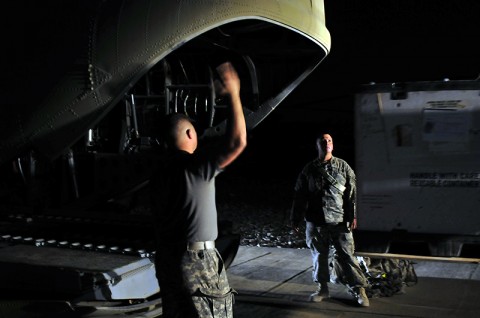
x=382, y=41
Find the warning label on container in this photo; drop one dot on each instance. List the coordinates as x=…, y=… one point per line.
x=445, y=179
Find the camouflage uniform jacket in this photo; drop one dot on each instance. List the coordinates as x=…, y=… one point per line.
x=317, y=200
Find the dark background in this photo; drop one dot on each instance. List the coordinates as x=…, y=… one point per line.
x=381, y=41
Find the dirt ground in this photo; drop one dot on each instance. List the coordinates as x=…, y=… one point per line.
x=258, y=210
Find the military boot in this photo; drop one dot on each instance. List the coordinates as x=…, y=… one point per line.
x=320, y=294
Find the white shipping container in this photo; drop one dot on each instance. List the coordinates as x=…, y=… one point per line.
x=418, y=158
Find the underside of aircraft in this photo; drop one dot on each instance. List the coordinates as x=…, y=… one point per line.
x=80, y=131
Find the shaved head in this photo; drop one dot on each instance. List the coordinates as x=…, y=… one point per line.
x=180, y=132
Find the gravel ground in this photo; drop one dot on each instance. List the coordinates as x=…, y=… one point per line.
x=259, y=211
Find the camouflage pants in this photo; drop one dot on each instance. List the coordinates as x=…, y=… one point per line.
x=193, y=284
x=320, y=239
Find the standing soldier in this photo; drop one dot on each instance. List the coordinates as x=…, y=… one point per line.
x=325, y=197
x=190, y=271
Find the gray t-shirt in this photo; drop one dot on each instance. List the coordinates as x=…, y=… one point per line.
x=183, y=197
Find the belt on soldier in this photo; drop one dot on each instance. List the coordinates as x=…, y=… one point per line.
x=196, y=246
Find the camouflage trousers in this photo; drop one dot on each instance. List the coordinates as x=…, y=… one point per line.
x=333, y=246
x=193, y=284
